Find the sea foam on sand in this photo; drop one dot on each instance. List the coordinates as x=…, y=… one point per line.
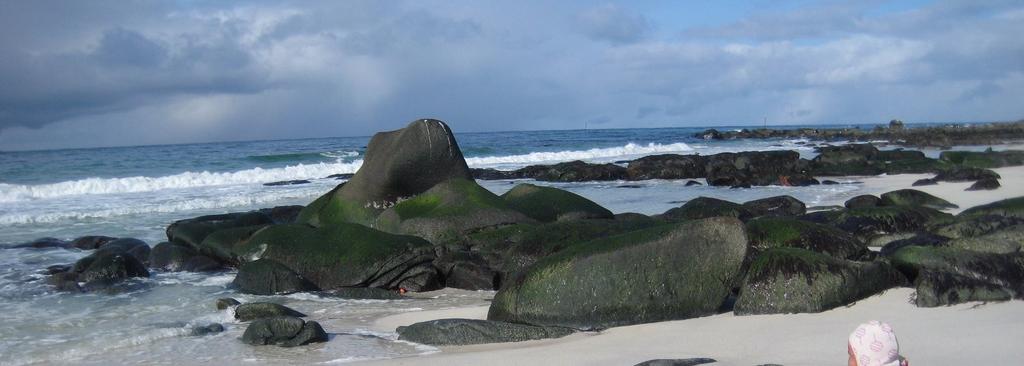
x=964, y=334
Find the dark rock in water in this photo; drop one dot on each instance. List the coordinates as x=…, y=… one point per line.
x=287, y=183
x=283, y=214
x=1003, y=240
x=862, y=201
x=775, y=232
x=109, y=286
x=757, y=168
x=511, y=249
x=131, y=246
x=201, y=263
x=394, y=167
x=950, y=275
x=91, y=242
x=667, y=166
x=110, y=266
x=777, y=206
x=847, y=160
x=364, y=293
x=447, y=211
x=574, y=171
x=340, y=176
x=170, y=256
x=65, y=281
x=691, y=183
x=347, y=255
x=986, y=159
x=829, y=182
x=940, y=289
x=677, y=362
x=913, y=197
x=285, y=331
x=631, y=186
x=58, y=268
x=191, y=232
x=965, y=174
x=467, y=270
x=704, y=207
x=459, y=332
x=923, y=239
x=226, y=302
x=268, y=277
x=207, y=329
x=220, y=245
x=925, y=182
x=548, y=204
x=43, y=243
x=493, y=174
x=887, y=220
x=985, y=184
x=649, y=275
x=258, y=310
x=1013, y=207
x=790, y=280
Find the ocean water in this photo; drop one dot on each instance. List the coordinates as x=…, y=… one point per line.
x=138, y=191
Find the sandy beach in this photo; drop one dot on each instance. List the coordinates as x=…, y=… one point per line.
x=964, y=334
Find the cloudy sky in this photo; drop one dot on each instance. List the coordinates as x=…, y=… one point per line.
x=102, y=73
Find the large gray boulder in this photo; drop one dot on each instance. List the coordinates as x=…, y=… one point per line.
x=398, y=164
x=284, y=331
x=650, y=275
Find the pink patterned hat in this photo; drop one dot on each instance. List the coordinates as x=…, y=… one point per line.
x=874, y=344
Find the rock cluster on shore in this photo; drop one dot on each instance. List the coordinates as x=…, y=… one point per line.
x=414, y=219
x=939, y=136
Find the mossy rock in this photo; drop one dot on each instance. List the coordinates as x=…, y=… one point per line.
x=792, y=280
x=398, y=165
x=972, y=225
x=865, y=222
x=170, y=256
x=1012, y=207
x=777, y=232
x=268, y=277
x=983, y=271
x=958, y=173
x=913, y=166
x=345, y=255
x=547, y=204
x=221, y=244
x=460, y=332
x=705, y=207
x=285, y=331
x=941, y=289
x=1005, y=241
x=445, y=213
x=193, y=231
x=913, y=197
x=112, y=267
x=777, y=206
x=656, y=274
x=513, y=248
x=984, y=159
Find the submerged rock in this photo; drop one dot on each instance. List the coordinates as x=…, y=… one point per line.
x=91, y=242
x=269, y=277
x=548, y=204
x=397, y=164
x=285, y=331
x=287, y=183
x=170, y=256
x=43, y=243
x=207, y=329
x=643, y=276
x=226, y=302
x=790, y=280
x=459, y=332
x=677, y=362
x=258, y=310
x=191, y=232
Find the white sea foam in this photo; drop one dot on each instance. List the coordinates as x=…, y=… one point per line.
x=614, y=153
x=17, y=192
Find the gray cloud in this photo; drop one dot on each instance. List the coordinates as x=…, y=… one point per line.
x=128, y=73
